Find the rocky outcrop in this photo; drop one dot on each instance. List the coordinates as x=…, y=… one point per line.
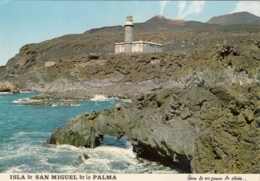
x=129, y=75
x=49, y=104
x=6, y=86
x=200, y=130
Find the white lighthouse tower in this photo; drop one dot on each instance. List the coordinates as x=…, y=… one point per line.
x=130, y=46
x=128, y=33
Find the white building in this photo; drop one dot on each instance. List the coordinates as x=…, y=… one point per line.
x=129, y=46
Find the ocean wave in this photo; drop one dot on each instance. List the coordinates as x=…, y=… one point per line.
x=101, y=98
x=69, y=159
x=55, y=105
x=26, y=92
x=68, y=148
x=6, y=93
x=19, y=135
x=24, y=100
x=30, y=133
x=76, y=105
x=15, y=169
x=121, y=152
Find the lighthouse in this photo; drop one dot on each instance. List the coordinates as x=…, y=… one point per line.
x=128, y=33
x=130, y=46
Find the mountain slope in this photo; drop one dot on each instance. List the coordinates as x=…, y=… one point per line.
x=157, y=19
x=234, y=18
x=256, y=22
x=157, y=23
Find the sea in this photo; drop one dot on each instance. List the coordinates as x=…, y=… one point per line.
x=24, y=131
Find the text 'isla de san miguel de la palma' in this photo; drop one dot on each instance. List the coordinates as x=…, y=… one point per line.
x=63, y=177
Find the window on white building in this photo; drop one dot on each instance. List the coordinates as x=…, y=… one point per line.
x=139, y=48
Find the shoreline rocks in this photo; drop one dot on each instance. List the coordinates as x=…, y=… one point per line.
x=217, y=133
x=6, y=86
x=49, y=104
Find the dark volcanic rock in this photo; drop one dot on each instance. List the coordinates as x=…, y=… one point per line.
x=198, y=130
x=48, y=104
x=86, y=156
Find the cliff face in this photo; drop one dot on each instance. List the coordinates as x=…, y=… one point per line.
x=213, y=130
x=6, y=86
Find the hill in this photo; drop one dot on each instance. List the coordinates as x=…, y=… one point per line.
x=69, y=55
x=235, y=18
x=156, y=23
x=256, y=22
x=157, y=19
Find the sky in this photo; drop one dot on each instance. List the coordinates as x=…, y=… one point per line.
x=25, y=22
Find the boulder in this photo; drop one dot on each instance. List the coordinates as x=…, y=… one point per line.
x=86, y=156
x=6, y=86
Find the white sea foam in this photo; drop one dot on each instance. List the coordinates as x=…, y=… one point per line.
x=18, y=134
x=6, y=93
x=76, y=105
x=26, y=92
x=116, y=150
x=26, y=133
x=24, y=100
x=70, y=159
x=15, y=169
x=55, y=105
x=71, y=148
x=101, y=98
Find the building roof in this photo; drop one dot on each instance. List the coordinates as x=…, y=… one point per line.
x=140, y=42
x=146, y=42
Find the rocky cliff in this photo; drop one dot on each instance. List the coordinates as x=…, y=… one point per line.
x=81, y=64
x=6, y=86
x=82, y=76
x=200, y=130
